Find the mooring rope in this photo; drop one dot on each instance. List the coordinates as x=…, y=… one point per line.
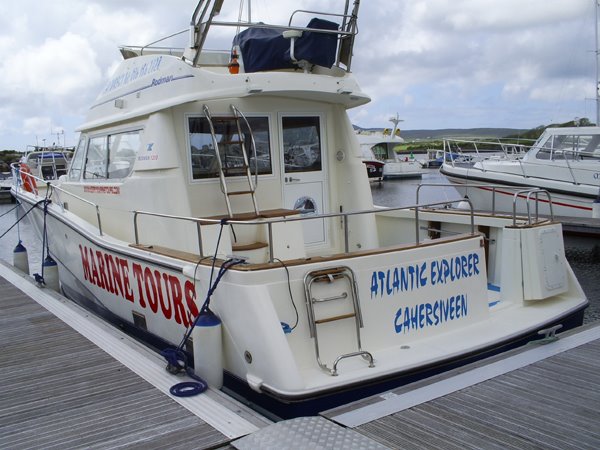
x=176, y=357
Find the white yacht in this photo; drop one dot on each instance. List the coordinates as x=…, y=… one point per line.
x=381, y=146
x=221, y=196
x=564, y=164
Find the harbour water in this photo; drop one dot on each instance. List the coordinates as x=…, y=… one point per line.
x=583, y=253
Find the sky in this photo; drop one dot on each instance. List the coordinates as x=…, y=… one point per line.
x=436, y=63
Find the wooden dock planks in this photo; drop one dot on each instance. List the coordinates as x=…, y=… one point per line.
x=552, y=403
x=58, y=390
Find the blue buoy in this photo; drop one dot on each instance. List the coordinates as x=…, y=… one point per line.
x=20, y=258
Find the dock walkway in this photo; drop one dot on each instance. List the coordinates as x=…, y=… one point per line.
x=63, y=390
x=86, y=385
x=534, y=397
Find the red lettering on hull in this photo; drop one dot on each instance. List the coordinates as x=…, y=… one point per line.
x=159, y=292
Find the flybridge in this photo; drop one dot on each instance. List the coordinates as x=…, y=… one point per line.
x=325, y=39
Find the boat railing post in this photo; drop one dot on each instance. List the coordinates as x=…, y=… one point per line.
x=417, y=224
x=270, y=231
x=522, y=168
x=199, y=230
x=99, y=222
x=493, y=200
x=346, y=239
x=472, y=217
x=569, y=165
x=135, y=228
x=550, y=205
x=514, y=214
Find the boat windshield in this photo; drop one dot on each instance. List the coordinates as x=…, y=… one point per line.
x=570, y=146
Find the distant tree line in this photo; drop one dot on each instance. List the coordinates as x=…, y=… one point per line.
x=7, y=157
x=522, y=137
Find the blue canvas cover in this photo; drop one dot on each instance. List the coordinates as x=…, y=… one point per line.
x=266, y=49
x=316, y=48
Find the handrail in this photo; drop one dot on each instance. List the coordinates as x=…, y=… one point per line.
x=205, y=12
x=16, y=177
x=237, y=112
x=142, y=48
x=529, y=193
x=270, y=221
x=493, y=187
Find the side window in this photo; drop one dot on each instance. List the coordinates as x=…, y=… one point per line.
x=112, y=156
x=97, y=158
x=122, y=152
x=77, y=161
x=204, y=161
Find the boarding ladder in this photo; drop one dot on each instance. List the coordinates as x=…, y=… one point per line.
x=224, y=168
x=339, y=277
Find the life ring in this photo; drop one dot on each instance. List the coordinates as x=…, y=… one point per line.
x=27, y=179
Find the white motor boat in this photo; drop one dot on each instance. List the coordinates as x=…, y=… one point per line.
x=222, y=196
x=564, y=164
x=42, y=164
x=381, y=146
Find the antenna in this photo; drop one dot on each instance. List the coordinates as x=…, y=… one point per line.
x=396, y=120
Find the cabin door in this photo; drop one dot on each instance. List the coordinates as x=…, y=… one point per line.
x=304, y=181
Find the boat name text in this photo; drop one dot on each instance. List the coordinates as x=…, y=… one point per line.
x=161, y=292
x=133, y=73
x=424, y=275
x=430, y=314
x=409, y=278
x=116, y=190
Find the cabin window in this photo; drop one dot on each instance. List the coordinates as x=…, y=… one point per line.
x=111, y=156
x=122, y=151
x=97, y=158
x=380, y=151
x=77, y=161
x=302, y=144
x=203, y=157
x=571, y=147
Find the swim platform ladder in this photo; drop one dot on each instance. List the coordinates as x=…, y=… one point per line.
x=342, y=276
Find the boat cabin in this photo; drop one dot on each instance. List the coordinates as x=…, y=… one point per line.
x=186, y=135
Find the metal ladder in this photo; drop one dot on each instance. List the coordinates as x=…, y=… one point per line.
x=236, y=117
x=333, y=275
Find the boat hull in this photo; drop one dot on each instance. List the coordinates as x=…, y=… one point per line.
x=281, y=407
x=153, y=298
x=501, y=197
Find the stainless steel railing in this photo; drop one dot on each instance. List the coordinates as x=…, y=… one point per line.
x=344, y=216
x=530, y=194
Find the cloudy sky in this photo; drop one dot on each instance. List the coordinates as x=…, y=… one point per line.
x=437, y=63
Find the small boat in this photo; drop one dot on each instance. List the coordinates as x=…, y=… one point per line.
x=381, y=146
x=436, y=157
x=43, y=164
x=374, y=168
x=6, y=183
x=217, y=206
x=564, y=164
